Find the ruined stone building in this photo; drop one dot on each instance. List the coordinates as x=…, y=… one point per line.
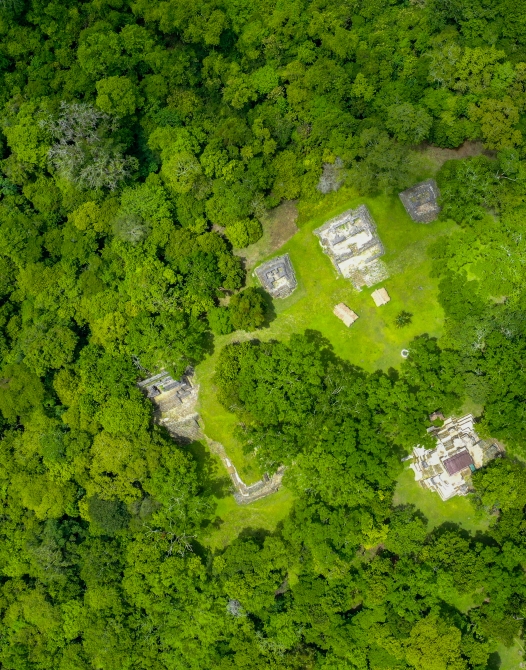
x=277, y=276
x=354, y=247
x=174, y=402
x=420, y=201
x=459, y=451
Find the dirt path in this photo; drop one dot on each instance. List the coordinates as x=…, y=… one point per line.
x=439, y=156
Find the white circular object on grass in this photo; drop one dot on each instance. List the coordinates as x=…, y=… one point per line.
x=404, y=353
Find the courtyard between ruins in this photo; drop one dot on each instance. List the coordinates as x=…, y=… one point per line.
x=372, y=341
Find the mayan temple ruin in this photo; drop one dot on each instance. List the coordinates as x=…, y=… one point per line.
x=175, y=403
x=277, y=276
x=420, y=201
x=354, y=247
x=459, y=451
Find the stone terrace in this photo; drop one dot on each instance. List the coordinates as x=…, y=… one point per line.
x=277, y=276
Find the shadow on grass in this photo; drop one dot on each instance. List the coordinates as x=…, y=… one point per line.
x=328, y=356
x=450, y=527
x=209, y=472
x=257, y=534
x=270, y=310
x=494, y=661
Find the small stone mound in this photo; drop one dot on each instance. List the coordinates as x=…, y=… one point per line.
x=277, y=276
x=332, y=177
x=420, y=201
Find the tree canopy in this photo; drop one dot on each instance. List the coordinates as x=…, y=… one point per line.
x=141, y=145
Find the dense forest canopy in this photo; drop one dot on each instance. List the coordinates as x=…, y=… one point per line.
x=141, y=144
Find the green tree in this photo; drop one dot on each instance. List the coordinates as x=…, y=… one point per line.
x=117, y=96
x=219, y=320
x=403, y=318
x=110, y=515
x=248, y=309
x=410, y=125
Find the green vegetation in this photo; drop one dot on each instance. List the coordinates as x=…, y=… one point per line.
x=403, y=319
x=458, y=510
x=151, y=153
x=372, y=342
x=260, y=516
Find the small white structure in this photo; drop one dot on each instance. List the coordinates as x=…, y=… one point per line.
x=345, y=314
x=380, y=297
x=459, y=451
x=404, y=353
x=353, y=244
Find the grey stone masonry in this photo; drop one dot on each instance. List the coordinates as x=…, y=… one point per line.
x=277, y=276
x=354, y=247
x=420, y=201
x=163, y=383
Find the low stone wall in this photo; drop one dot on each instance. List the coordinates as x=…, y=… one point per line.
x=246, y=494
x=182, y=422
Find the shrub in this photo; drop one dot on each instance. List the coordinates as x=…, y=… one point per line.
x=243, y=233
x=403, y=319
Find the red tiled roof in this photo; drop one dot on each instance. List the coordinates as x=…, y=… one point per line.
x=458, y=462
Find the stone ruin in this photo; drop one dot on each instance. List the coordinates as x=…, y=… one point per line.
x=174, y=402
x=447, y=468
x=420, y=201
x=354, y=247
x=277, y=276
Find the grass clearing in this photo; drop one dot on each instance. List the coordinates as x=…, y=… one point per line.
x=233, y=519
x=279, y=225
x=457, y=510
x=507, y=658
x=372, y=342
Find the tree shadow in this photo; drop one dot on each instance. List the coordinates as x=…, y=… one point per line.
x=209, y=471
x=412, y=509
x=208, y=345
x=393, y=374
x=494, y=661
x=451, y=527
x=328, y=357
x=270, y=310
x=257, y=534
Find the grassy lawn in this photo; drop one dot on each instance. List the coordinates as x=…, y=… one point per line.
x=457, y=510
x=507, y=658
x=262, y=515
x=373, y=341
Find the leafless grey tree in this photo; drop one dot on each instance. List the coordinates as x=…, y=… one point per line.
x=131, y=228
x=84, y=151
